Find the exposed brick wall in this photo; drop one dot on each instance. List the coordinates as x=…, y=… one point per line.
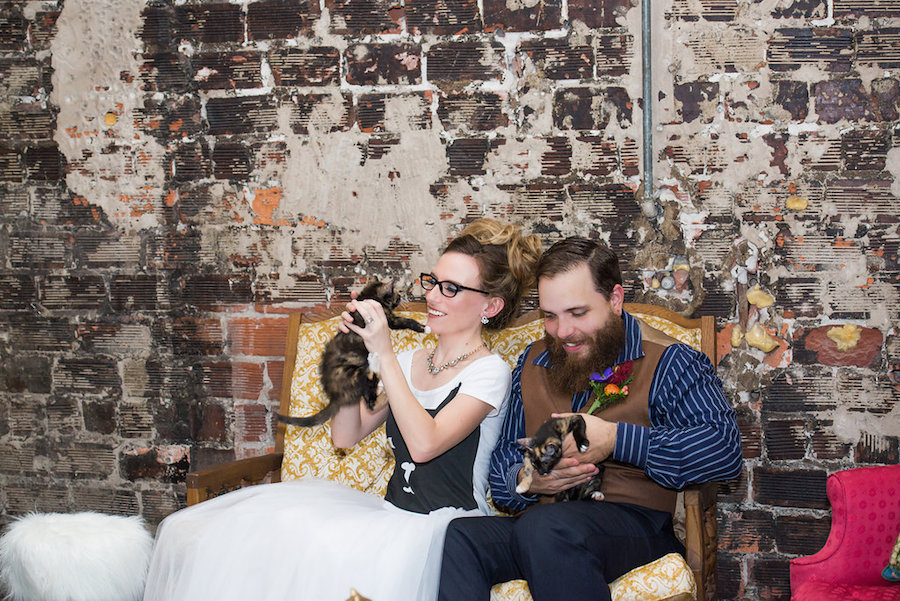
x=175, y=177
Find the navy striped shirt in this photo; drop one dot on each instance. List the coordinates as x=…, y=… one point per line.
x=693, y=436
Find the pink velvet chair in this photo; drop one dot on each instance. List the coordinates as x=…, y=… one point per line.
x=865, y=522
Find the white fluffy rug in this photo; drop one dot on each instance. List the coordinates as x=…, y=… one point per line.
x=75, y=557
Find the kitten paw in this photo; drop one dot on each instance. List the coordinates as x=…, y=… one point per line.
x=583, y=448
x=598, y=496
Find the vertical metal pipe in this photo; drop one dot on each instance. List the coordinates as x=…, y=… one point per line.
x=647, y=201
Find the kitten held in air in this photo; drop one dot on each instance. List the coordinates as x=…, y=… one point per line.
x=345, y=371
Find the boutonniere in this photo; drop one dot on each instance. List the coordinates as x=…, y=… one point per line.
x=611, y=386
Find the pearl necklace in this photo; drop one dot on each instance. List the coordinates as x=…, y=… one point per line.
x=436, y=370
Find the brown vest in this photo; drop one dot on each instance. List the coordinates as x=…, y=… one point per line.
x=622, y=483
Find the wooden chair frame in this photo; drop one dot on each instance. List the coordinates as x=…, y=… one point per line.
x=701, y=527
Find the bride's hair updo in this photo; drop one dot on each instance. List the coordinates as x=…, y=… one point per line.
x=506, y=259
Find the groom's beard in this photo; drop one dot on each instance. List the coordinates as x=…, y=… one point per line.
x=570, y=373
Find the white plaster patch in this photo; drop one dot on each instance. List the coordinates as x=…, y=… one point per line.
x=373, y=200
x=96, y=43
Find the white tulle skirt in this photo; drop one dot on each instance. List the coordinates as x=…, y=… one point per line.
x=308, y=540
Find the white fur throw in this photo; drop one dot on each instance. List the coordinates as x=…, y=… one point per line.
x=75, y=557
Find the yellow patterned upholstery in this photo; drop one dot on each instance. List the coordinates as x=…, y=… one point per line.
x=308, y=452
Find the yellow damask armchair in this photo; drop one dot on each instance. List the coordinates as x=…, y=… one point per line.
x=308, y=452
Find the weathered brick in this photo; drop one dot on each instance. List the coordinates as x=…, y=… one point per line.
x=591, y=108
x=251, y=423
x=26, y=496
x=372, y=111
x=28, y=333
x=605, y=13
x=322, y=112
x=73, y=292
x=44, y=163
x=785, y=439
x=157, y=22
x=87, y=376
x=263, y=336
x=771, y=577
x=697, y=98
x=560, y=59
x=794, y=391
x=17, y=459
x=364, y=16
x=43, y=29
x=153, y=464
x=751, y=435
x=231, y=161
x=13, y=30
x=380, y=64
x=157, y=505
x=442, y=17
x=748, y=531
x=227, y=70
x=99, y=416
x=106, y=249
x=17, y=291
x=790, y=487
x=165, y=72
x=880, y=47
x=613, y=51
x=886, y=99
x=826, y=444
x=134, y=420
x=135, y=293
x=275, y=372
x=467, y=156
x=209, y=421
x=830, y=48
x=458, y=63
x=82, y=460
x=26, y=373
x=190, y=162
x=793, y=96
x=709, y=10
x=473, y=111
x=317, y=66
x=169, y=117
x=280, y=19
x=729, y=584
x=241, y=115
x=865, y=150
x=802, y=9
x=557, y=159
x=823, y=350
x=801, y=534
x=20, y=76
x=541, y=198
x=63, y=415
x=842, y=99
x=27, y=121
x=870, y=8
x=208, y=23
x=193, y=336
x=11, y=169
x=499, y=14
x=872, y=448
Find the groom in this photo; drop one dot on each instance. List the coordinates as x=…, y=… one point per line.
x=671, y=428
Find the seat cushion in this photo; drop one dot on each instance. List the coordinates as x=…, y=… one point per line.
x=669, y=577
x=825, y=591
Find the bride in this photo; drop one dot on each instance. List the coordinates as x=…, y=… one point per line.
x=315, y=539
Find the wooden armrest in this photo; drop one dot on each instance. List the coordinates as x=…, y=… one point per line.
x=702, y=536
x=218, y=479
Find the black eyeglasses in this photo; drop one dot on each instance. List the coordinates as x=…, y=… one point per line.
x=448, y=289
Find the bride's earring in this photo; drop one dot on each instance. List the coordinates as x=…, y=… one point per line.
x=484, y=319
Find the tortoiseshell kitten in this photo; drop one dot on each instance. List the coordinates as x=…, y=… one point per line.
x=544, y=450
x=344, y=369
